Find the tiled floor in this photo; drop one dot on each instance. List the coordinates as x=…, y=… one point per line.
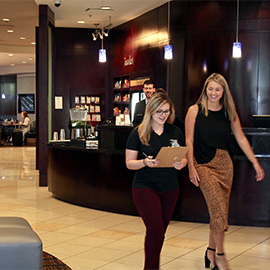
x=88, y=239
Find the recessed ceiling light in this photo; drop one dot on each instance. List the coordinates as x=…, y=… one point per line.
x=12, y=65
x=10, y=31
x=24, y=62
x=22, y=38
x=105, y=7
x=81, y=22
x=30, y=59
x=6, y=20
x=10, y=54
x=33, y=43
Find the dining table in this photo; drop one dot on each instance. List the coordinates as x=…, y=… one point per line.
x=7, y=129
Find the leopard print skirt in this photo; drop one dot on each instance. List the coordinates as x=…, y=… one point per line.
x=216, y=179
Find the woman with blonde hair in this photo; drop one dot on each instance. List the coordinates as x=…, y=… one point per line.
x=154, y=190
x=208, y=124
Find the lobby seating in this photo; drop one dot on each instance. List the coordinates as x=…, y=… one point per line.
x=31, y=133
x=20, y=246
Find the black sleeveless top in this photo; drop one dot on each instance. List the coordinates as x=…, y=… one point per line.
x=211, y=132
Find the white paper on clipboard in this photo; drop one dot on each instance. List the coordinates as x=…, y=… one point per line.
x=168, y=155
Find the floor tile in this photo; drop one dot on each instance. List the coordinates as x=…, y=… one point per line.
x=104, y=254
x=247, y=262
x=261, y=250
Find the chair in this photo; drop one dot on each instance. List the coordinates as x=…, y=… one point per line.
x=20, y=246
x=31, y=133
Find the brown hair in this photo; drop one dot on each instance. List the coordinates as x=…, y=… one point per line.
x=24, y=113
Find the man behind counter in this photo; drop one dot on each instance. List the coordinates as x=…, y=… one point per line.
x=149, y=90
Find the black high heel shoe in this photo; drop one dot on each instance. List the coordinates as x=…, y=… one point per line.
x=207, y=262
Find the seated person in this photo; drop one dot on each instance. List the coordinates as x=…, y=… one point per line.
x=25, y=124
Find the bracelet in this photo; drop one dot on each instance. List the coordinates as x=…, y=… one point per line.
x=144, y=162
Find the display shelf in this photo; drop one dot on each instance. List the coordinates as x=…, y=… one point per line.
x=123, y=88
x=121, y=95
x=93, y=105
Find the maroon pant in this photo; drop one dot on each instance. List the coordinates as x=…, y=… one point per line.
x=156, y=209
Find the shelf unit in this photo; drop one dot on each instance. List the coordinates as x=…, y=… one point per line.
x=93, y=105
x=123, y=89
x=121, y=95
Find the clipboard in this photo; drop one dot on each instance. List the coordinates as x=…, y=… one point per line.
x=168, y=155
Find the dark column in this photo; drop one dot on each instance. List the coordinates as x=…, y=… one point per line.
x=46, y=19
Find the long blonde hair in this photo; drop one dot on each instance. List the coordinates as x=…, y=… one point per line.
x=153, y=105
x=226, y=100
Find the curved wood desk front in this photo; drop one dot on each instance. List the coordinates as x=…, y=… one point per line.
x=99, y=179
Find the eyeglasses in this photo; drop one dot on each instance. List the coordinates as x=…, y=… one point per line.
x=160, y=112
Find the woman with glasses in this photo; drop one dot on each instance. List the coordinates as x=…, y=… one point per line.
x=154, y=190
x=208, y=131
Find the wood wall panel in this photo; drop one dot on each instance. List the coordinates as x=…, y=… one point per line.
x=143, y=40
x=77, y=69
x=211, y=11
x=264, y=75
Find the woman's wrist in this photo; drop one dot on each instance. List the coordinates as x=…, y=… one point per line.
x=190, y=166
x=144, y=162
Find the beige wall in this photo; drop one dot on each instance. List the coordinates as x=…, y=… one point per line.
x=26, y=84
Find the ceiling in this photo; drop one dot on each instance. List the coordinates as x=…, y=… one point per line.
x=23, y=15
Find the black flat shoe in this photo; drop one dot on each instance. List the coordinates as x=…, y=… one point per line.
x=207, y=262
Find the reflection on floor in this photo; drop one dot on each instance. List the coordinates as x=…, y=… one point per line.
x=88, y=239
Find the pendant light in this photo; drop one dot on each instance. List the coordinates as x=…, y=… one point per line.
x=237, y=51
x=168, y=50
x=102, y=57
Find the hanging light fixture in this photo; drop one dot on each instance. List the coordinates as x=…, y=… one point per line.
x=102, y=57
x=168, y=50
x=101, y=32
x=95, y=34
x=237, y=51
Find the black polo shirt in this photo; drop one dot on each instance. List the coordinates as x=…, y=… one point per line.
x=160, y=179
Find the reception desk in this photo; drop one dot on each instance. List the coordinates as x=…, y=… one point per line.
x=99, y=179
